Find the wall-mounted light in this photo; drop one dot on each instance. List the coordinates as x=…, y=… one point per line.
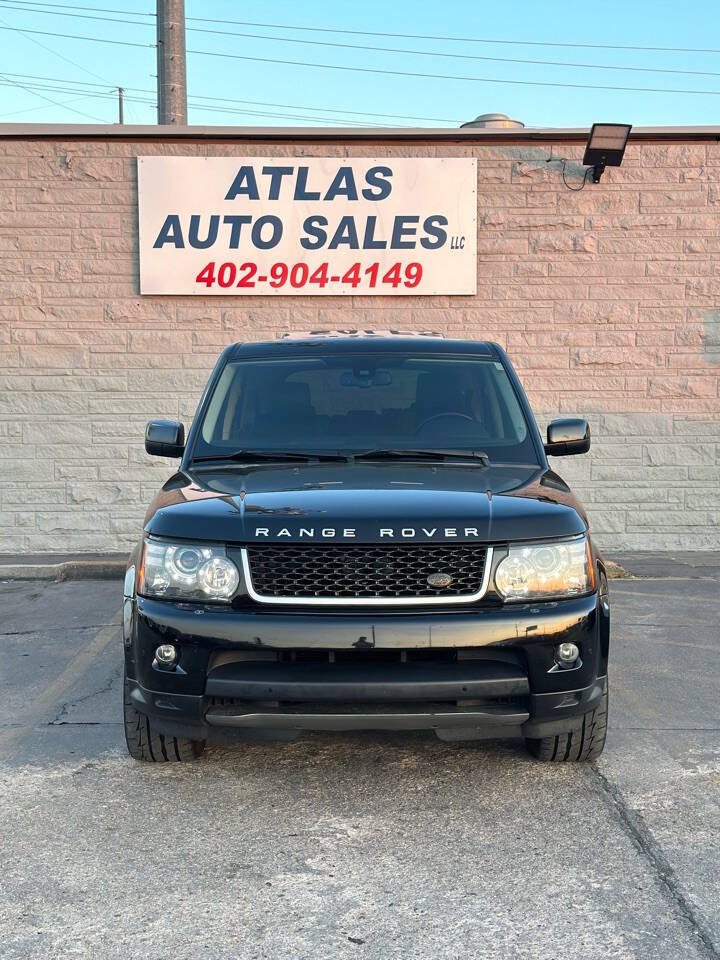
x=605, y=147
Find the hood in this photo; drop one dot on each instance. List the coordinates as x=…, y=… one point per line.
x=366, y=503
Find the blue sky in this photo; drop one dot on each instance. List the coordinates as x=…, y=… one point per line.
x=284, y=94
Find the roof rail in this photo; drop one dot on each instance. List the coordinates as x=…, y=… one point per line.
x=356, y=332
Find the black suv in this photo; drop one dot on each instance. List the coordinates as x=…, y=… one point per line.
x=364, y=533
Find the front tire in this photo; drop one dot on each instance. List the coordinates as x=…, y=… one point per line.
x=581, y=745
x=145, y=743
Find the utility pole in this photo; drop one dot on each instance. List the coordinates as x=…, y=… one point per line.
x=171, y=69
x=120, y=105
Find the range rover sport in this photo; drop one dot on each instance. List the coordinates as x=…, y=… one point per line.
x=363, y=533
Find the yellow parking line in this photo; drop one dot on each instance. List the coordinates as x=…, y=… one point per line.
x=52, y=694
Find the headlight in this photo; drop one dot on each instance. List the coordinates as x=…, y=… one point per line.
x=540, y=571
x=187, y=571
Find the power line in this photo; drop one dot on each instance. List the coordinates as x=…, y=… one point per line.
x=426, y=36
x=256, y=113
x=378, y=33
x=65, y=103
x=60, y=56
x=111, y=95
x=396, y=73
x=72, y=36
x=85, y=83
x=74, y=6
x=295, y=106
x=53, y=102
x=458, y=56
x=402, y=50
x=6, y=81
x=257, y=103
x=78, y=16
x=443, y=76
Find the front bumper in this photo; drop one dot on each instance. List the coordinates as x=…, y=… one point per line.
x=483, y=672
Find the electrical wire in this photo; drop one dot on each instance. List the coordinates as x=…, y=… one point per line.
x=78, y=16
x=425, y=36
x=295, y=106
x=112, y=95
x=257, y=103
x=72, y=36
x=563, y=161
x=255, y=113
x=74, y=6
x=460, y=56
x=376, y=70
x=378, y=33
x=60, y=56
x=201, y=106
x=82, y=83
x=65, y=103
x=401, y=50
x=444, y=76
x=53, y=102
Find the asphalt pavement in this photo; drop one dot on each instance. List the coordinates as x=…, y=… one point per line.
x=367, y=846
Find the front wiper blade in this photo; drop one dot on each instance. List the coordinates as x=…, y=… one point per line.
x=437, y=454
x=276, y=455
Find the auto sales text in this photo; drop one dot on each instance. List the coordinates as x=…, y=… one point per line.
x=293, y=183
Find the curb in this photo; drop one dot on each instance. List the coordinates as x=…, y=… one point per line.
x=65, y=570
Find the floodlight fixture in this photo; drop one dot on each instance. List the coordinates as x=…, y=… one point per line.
x=605, y=147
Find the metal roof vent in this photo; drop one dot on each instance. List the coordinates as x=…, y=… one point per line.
x=493, y=120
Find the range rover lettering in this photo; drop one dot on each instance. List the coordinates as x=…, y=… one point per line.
x=364, y=533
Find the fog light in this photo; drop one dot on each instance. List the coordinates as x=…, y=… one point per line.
x=166, y=654
x=566, y=654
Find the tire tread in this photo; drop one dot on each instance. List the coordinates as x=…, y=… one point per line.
x=146, y=744
x=581, y=745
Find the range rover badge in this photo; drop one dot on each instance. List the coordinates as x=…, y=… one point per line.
x=439, y=580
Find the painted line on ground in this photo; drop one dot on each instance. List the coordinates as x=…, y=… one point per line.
x=52, y=694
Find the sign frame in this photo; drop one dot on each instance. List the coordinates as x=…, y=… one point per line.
x=307, y=226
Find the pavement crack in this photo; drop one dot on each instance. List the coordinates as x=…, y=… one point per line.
x=635, y=827
x=86, y=723
x=72, y=626
x=67, y=705
x=670, y=729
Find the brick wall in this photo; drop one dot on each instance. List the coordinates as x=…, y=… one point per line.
x=606, y=300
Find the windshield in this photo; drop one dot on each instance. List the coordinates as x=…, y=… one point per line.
x=355, y=403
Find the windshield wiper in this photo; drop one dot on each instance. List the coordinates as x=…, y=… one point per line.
x=438, y=454
x=276, y=455
x=308, y=456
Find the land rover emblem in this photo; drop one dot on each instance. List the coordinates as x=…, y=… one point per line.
x=439, y=580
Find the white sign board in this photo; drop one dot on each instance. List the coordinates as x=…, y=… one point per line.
x=308, y=226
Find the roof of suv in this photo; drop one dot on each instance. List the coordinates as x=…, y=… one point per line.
x=362, y=344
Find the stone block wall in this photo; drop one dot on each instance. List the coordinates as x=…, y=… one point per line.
x=606, y=300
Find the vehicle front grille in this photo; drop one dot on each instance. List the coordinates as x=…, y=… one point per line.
x=361, y=572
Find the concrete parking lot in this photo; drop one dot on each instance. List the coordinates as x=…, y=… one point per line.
x=359, y=846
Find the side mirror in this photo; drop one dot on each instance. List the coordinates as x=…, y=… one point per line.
x=567, y=437
x=165, y=438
